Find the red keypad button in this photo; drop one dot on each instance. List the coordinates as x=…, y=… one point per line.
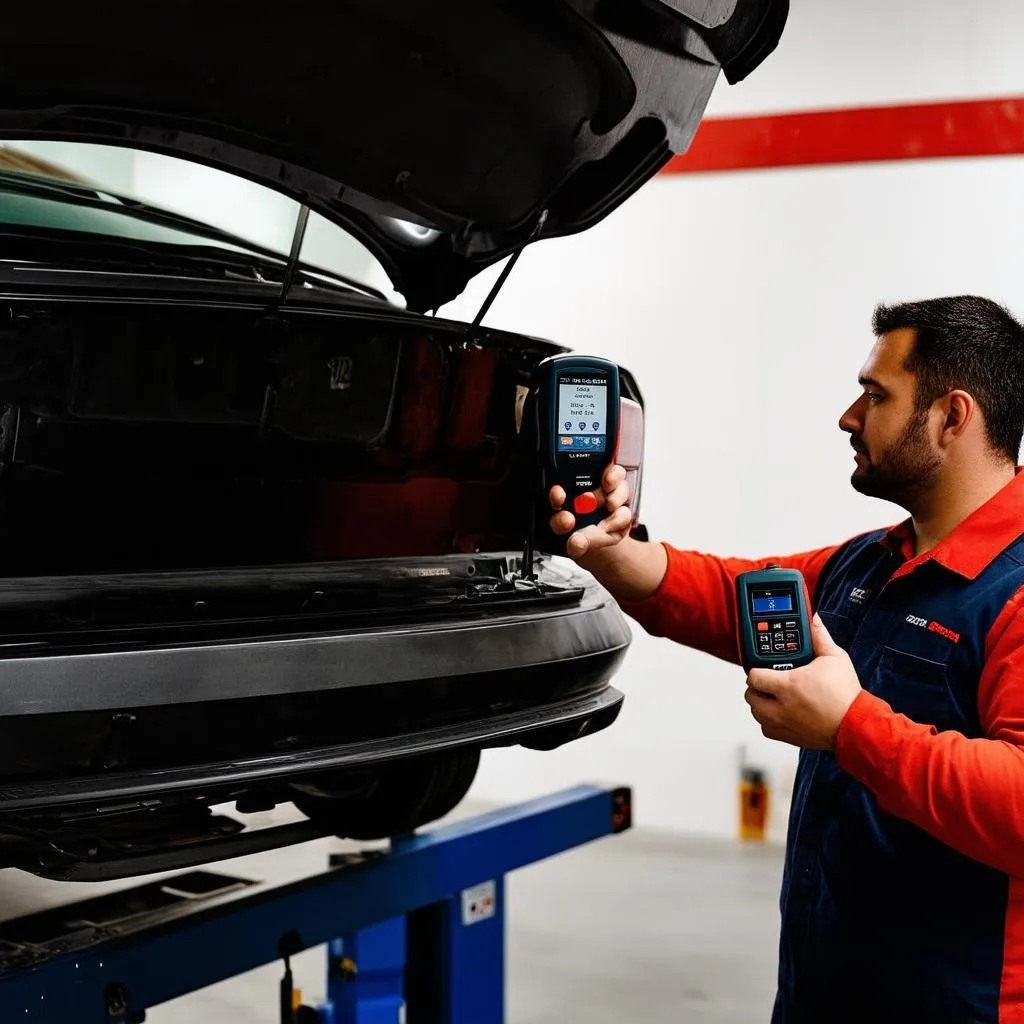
x=584, y=503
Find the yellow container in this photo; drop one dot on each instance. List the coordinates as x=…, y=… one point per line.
x=754, y=797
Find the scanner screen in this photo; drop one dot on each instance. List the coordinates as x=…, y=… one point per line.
x=767, y=604
x=582, y=423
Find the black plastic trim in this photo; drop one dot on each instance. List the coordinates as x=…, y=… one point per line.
x=177, y=858
x=579, y=715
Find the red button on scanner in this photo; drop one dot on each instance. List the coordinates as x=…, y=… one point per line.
x=762, y=627
x=584, y=503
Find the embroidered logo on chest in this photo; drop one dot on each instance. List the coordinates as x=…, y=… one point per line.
x=934, y=627
x=859, y=595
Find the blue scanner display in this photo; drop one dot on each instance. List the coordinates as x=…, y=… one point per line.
x=767, y=605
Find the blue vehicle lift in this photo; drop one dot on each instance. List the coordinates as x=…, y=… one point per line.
x=414, y=932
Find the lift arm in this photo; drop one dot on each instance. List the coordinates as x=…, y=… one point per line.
x=439, y=895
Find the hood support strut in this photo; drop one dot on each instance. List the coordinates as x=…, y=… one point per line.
x=298, y=236
x=471, y=331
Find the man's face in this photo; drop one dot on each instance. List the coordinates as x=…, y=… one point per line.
x=896, y=458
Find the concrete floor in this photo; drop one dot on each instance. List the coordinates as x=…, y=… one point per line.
x=636, y=927
x=641, y=928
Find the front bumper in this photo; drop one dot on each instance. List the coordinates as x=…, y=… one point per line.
x=181, y=673
x=208, y=721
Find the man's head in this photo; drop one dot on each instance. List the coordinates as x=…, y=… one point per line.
x=943, y=388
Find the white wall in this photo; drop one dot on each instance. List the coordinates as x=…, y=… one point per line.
x=743, y=302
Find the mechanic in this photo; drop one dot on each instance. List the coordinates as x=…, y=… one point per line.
x=903, y=889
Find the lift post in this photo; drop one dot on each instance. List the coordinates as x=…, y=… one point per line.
x=414, y=933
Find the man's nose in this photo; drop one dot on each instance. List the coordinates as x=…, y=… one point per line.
x=850, y=421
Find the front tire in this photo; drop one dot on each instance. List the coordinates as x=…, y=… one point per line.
x=404, y=795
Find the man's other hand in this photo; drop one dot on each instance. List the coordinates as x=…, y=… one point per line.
x=612, y=495
x=806, y=706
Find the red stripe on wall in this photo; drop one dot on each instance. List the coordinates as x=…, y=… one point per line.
x=926, y=131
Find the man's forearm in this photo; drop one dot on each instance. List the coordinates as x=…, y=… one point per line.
x=687, y=596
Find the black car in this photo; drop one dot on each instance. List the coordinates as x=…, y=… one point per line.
x=264, y=530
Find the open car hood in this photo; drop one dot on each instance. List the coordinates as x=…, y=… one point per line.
x=478, y=119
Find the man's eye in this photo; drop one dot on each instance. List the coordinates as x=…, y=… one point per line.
x=874, y=397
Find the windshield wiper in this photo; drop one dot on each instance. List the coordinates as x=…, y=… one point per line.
x=103, y=199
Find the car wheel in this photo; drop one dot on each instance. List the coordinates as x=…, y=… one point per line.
x=403, y=796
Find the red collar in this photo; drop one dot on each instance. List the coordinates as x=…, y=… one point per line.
x=976, y=542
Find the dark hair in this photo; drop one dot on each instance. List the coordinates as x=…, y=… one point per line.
x=963, y=342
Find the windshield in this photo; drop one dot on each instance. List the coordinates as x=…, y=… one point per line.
x=251, y=212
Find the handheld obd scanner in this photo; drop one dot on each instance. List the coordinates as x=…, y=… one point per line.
x=772, y=619
x=582, y=425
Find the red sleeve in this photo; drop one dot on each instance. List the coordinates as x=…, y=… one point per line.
x=695, y=604
x=969, y=793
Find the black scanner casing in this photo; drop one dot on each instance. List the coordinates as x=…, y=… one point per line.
x=566, y=468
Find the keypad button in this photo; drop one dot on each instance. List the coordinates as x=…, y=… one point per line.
x=762, y=627
x=791, y=625
x=793, y=636
x=776, y=625
x=792, y=647
x=780, y=647
x=780, y=635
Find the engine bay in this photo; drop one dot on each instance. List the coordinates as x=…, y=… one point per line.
x=154, y=436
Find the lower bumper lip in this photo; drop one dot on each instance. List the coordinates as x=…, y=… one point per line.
x=589, y=710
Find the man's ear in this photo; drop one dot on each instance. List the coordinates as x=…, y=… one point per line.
x=959, y=408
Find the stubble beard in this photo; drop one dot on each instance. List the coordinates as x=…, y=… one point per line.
x=906, y=470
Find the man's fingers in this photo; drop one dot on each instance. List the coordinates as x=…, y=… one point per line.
x=613, y=476
x=611, y=500
x=562, y=523
x=618, y=522
x=583, y=541
x=557, y=497
x=821, y=640
x=617, y=498
x=612, y=497
x=615, y=487
x=760, y=703
x=763, y=708
x=612, y=494
x=602, y=535
x=591, y=538
x=766, y=681
x=768, y=714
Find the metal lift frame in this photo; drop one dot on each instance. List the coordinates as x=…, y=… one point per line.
x=414, y=933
